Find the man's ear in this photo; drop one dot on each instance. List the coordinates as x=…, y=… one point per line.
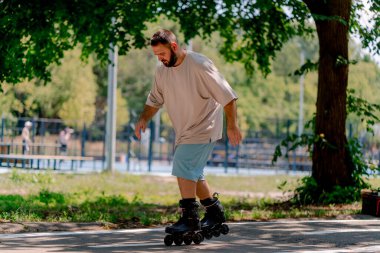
x=174, y=46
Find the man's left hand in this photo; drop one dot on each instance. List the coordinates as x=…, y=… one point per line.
x=234, y=135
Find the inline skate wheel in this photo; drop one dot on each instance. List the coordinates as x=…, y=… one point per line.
x=198, y=238
x=178, y=240
x=225, y=229
x=216, y=233
x=168, y=240
x=208, y=235
x=187, y=239
x=201, y=236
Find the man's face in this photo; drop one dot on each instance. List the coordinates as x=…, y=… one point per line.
x=165, y=54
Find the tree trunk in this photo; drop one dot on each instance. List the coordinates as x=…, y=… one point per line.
x=332, y=166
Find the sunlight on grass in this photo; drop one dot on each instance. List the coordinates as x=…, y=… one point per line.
x=145, y=200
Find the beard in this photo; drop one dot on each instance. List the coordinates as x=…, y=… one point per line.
x=173, y=59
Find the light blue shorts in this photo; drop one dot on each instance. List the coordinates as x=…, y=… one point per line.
x=190, y=159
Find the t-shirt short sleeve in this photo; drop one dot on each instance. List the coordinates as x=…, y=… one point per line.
x=155, y=97
x=215, y=84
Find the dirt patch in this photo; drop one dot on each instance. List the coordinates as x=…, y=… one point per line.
x=22, y=192
x=162, y=179
x=23, y=227
x=246, y=194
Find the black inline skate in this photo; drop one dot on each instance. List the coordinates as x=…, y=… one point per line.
x=212, y=223
x=188, y=227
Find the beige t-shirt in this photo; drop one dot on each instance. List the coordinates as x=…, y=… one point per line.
x=194, y=94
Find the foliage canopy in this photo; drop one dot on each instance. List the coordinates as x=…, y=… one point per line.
x=37, y=34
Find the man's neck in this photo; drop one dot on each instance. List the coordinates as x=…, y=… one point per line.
x=181, y=57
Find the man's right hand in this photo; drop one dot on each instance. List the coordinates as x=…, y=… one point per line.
x=146, y=115
x=140, y=126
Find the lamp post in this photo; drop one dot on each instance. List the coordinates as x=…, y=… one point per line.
x=111, y=107
x=301, y=81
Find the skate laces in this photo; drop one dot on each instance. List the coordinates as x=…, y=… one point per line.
x=215, y=196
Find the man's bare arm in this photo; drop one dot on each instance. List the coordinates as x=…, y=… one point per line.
x=233, y=131
x=146, y=115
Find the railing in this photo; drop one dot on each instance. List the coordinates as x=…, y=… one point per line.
x=256, y=150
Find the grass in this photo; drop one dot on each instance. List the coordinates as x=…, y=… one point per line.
x=125, y=200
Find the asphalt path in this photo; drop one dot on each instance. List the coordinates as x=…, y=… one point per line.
x=306, y=236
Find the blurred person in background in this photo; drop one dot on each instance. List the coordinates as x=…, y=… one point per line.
x=64, y=139
x=25, y=134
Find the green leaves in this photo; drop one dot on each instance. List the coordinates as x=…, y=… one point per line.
x=259, y=31
x=37, y=34
x=318, y=17
x=309, y=192
x=363, y=109
x=365, y=22
x=341, y=61
x=307, y=67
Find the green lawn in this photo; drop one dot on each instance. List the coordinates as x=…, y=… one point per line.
x=131, y=200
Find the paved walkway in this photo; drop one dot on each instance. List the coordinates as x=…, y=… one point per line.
x=300, y=236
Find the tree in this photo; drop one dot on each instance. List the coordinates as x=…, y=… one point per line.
x=332, y=166
x=36, y=34
x=70, y=94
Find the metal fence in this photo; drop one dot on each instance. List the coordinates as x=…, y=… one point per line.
x=157, y=144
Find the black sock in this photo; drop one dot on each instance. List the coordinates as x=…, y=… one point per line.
x=208, y=201
x=185, y=203
x=188, y=201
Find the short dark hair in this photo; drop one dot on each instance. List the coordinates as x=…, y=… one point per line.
x=164, y=37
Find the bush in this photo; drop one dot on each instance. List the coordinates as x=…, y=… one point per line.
x=310, y=193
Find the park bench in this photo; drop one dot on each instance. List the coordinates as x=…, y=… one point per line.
x=37, y=159
x=35, y=148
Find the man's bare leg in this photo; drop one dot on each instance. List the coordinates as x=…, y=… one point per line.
x=203, y=190
x=190, y=189
x=187, y=188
